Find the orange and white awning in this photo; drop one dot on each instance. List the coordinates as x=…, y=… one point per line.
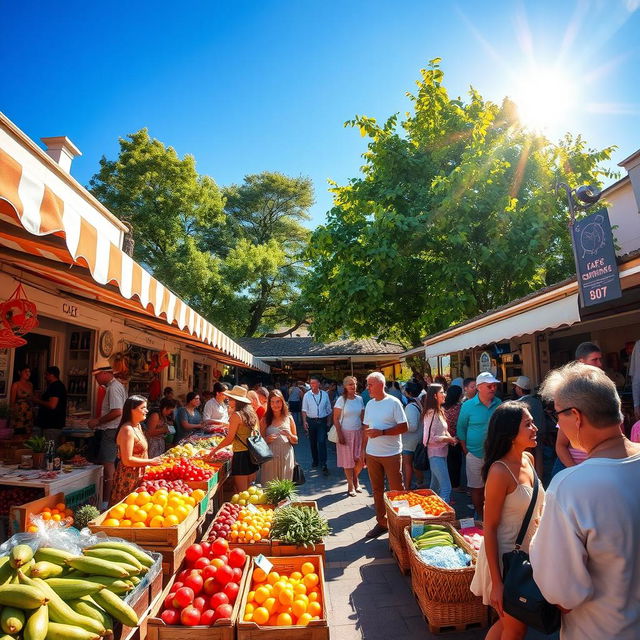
x=26, y=199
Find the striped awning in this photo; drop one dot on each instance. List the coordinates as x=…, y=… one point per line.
x=26, y=200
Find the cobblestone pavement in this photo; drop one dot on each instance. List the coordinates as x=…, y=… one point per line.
x=368, y=597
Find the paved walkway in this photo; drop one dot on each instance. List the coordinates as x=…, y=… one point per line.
x=369, y=598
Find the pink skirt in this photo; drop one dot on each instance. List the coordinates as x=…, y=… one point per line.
x=351, y=451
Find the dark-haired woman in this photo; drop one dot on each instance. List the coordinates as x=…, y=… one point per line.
x=188, y=418
x=157, y=426
x=508, y=473
x=243, y=422
x=451, y=409
x=132, y=449
x=279, y=430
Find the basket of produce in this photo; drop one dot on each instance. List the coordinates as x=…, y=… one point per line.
x=286, y=601
x=247, y=527
x=204, y=595
x=63, y=584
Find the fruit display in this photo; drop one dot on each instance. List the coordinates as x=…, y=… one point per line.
x=432, y=505
x=51, y=518
x=207, y=588
x=170, y=485
x=284, y=599
x=252, y=525
x=227, y=515
x=54, y=594
x=436, y=546
x=298, y=525
x=253, y=495
x=179, y=469
x=160, y=509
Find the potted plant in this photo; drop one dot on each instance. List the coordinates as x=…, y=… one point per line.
x=38, y=445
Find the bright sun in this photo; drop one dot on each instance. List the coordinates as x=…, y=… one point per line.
x=544, y=98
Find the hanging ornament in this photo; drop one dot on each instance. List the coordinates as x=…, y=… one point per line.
x=18, y=313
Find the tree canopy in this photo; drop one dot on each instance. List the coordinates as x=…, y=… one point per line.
x=234, y=254
x=454, y=213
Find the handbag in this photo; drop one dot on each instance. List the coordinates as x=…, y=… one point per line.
x=259, y=450
x=522, y=598
x=421, y=453
x=332, y=436
x=298, y=475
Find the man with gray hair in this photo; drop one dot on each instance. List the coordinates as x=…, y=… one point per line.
x=585, y=554
x=384, y=422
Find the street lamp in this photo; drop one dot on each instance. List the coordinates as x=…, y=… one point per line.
x=580, y=199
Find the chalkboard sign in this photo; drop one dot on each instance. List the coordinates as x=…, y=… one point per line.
x=595, y=256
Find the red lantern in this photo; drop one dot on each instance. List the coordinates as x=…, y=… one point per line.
x=18, y=313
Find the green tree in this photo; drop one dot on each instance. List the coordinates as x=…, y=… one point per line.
x=168, y=206
x=455, y=213
x=265, y=240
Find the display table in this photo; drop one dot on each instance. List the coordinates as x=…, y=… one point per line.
x=63, y=483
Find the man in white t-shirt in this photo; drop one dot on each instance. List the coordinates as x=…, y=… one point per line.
x=316, y=419
x=384, y=422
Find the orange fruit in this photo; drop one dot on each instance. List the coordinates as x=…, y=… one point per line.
x=175, y=502
x=111, y=522
x=126, y=523
x=140, y=516
x=260, y=615
x=249, y=607
x=46, y=510
x=310, y=580
x=284, y=620
x=299, y=588
x=198, y=494
x=314, y=596
x=182, y=512
x=248, y=617
x=55, y=511
x=261, y=594
x=296, y=575
x=259, y=575
x=189, y=500
x=171, y=521
x=298, y=607
x=61, y=506
x=286, y=596
x=270, y=605
x=155, y=510
x=273, y=577
x=314, y=608
x=142, y=498
x=306, y=568
x=250, y=596
x=147, y=507
x=138, y=524
x=304, y=619
x=46, y=515
x=56, y=517
x=130, y=510
x=32, y=528
x=118, y=511
x=156, y=521
x=131, y=498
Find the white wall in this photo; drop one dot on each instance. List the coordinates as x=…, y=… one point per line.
x=623, y=212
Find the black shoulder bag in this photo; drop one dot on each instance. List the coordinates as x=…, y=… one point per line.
x=259, y=450
x=421, y=453
x=522, y=598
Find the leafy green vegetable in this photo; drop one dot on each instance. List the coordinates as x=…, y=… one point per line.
x=278, y=490
x=301, y=526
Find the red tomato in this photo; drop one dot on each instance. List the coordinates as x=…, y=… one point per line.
x=182, y=575
x=223, y=611
x=201, y=563
x=193, y=553
x=207, y=617
x=200, y=603
x=210, y=586
x=231, y=589
x=237, y=575
x=206, y=548
x=194, y=581
x=237, y=557
x=170, y=616
x=209, y=571
x=168, y=601
x=220, y=546
x=176, y=585
x=217, y=599
x=190, y=616
x=224, y=574
x=183, y=597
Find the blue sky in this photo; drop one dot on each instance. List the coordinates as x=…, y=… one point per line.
x=265, y=85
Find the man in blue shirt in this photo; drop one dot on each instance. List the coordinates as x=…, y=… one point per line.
x=473, y=423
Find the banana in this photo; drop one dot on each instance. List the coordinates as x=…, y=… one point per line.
x=45, y=569
x=117, y=585
x=112, y=604
x=22, y=596
x=6, y=636
x=130, y=569
x=98, y=567
x=37, y=624
x=137, y=553
x=20, y=554
x=114, y=555
x=85, y=606
x=58, y=631
x=12, y=620
x=60, y=611
x=71, y=588
x=57, y=556
x=135, y=580
x=6, y=570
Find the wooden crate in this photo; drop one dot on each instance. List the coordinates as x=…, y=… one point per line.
x=280, y=549
x=162, y=536
x=220, y=630
x=315, y=630
x=141, y=605
x=172, y=557
x=20, y=515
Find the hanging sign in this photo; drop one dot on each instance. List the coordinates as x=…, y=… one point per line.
x=484, y=363
x=595, y=257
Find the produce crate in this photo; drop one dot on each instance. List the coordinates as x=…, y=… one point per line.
x=397, y=524
x=146, y=536
x=172, y=557
x=204, y=485
x=444, y=595
x=280, y=549
x=20, y=515
x=220, y=630
x=315, y=630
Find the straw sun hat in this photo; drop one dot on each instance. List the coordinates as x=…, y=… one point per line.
x=239, y=394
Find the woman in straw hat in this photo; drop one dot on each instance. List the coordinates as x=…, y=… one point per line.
x=243, y=422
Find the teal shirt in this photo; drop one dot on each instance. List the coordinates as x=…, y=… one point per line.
x=473, y=423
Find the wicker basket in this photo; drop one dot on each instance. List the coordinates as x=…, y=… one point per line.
x=397, y=523
x=399, y=550
x=441, y=585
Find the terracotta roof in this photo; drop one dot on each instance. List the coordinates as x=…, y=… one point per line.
x=297, y=347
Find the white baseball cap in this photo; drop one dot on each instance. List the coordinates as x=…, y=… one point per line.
x=486, y=377
x=523, y=382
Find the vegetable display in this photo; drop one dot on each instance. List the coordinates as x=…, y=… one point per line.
x=437, y=547
x=300, y=526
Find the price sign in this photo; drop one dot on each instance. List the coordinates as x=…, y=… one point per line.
x=263, y=563
x=251, y=508
x=467, y=523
